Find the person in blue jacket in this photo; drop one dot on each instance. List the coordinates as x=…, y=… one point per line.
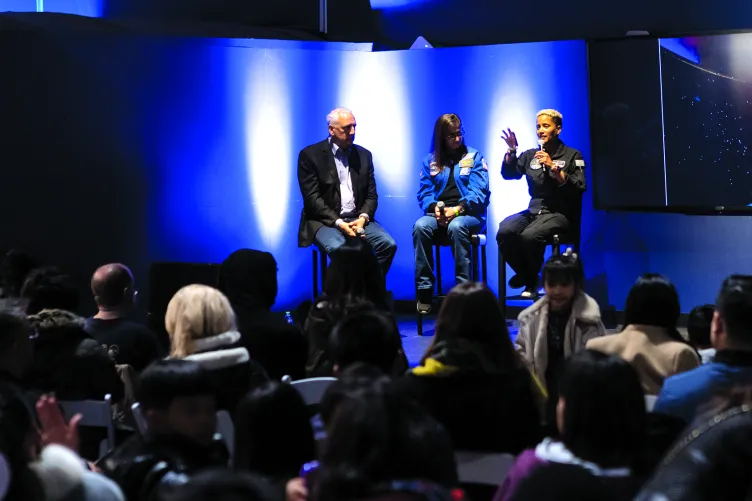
x=453, y=196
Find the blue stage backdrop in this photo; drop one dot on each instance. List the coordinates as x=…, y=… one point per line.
x=224, y=128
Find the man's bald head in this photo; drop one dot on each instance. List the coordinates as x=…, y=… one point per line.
x=112, y=286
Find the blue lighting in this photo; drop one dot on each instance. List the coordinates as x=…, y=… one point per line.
x=393, y=4
x=224, y=126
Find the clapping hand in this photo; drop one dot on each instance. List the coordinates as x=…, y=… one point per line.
x=54, y=429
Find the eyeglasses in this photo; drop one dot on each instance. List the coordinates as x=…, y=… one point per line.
x=455, y=135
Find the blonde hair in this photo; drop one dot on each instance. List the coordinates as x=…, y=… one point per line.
x=196, y=312
x=555, y=116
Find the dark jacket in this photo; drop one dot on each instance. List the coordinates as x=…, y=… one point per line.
x=249, y=280
x=144, y=469
x=68, y=362
x=545, y=191
x=483, y=407
x=319, y=185
x=232, y=368
x=713, y=461
x=565, y=482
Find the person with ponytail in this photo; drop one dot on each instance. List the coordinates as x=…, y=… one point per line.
x=649, y=340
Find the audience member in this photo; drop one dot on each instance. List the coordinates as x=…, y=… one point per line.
x=273, y=434
x=382, y=443
x=601, y=418
x=558, y=325
x=223, y=485
x=178, y=402
x=70, y=363
x=649, y=340
x=370, y=336
x=683, y=395
x=472, y=381
x=249, y=280
x=14, y=269
x=712, y=460
x=698, y=329
x=201, y=325
x=127, y=342
x=16, y=345
x=352, y=280
x=353, y=382
x=49, y=288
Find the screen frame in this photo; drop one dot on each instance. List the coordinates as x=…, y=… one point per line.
x=674, y=209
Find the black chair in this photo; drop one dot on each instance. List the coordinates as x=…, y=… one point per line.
x=569, y=239
x=477, y=253
x=320, y=261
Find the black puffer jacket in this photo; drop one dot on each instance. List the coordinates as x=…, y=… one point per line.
x=69, y=362
x=712, y=461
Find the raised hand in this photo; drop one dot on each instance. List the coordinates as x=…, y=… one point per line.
x=509, y=137
x=54, y=428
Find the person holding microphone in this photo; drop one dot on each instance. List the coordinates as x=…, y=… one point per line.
x=453, y=195
x=556, y=180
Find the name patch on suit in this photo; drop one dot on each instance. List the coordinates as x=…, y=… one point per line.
x=579, y=163
x=560, y=163
x=535, y=164
x=465, y=171
x=434, y=168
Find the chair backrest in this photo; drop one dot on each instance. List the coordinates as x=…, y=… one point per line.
x=484, y=468
x=312, y=389
x=139, y=418
x=650, y=402
x=96, y=414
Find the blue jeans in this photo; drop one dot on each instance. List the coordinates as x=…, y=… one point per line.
x=384, y=247
x=458, y=232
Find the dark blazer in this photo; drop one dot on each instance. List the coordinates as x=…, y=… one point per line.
x=319, y=185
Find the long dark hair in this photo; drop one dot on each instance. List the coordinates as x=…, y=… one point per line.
x=441, y=155
x=471, y=312
x=381, y=437
x=273, y=434
x=604, y=409
x=354, y=272
x=653, y=300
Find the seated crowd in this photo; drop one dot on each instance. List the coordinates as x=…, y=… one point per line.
x=564, y=400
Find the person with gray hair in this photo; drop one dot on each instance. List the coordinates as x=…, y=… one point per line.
x=336, y=179
x=555, y=176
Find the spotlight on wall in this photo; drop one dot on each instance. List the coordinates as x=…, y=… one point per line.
x=421, y=43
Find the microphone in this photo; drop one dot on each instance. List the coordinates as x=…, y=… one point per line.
x=361, y=231
x=440, y=204
x=541, y=142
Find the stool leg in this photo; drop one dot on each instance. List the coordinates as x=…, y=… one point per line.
x=483, y=265
x=502, y=284
x=315, y=275
x=437, y=270
x=420, y=324
x=324, y=265
x=474, y=263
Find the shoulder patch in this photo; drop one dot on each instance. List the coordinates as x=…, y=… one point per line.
x=579, y=163
x=485, y=165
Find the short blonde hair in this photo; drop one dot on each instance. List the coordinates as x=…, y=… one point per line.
x=555, y=116
x=196, y=312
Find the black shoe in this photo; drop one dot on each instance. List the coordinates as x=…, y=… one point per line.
x=517, y=282
x=530, y=292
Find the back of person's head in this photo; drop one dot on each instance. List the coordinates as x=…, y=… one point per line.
x=354, y=271
x=601, y=413
x=652, y=300
x=734, y=311
x=563, y=269
x=471, y=312
x=14, y=269
x=57, y=323
x=273, y=433
x=17, y=436
x=113, y=286
x=178, y=397
x=196, y=312
x=47, y=289
x=698, y=325
x=370, y=336
x=16, y=347
x=249, y=280
x=353, y=382
x=382, y=437
x=221, y=485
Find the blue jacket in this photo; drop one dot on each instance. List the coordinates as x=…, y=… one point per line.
x=470, y=175
x=685, y=395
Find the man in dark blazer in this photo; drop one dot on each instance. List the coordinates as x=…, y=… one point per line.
x=339, y=192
